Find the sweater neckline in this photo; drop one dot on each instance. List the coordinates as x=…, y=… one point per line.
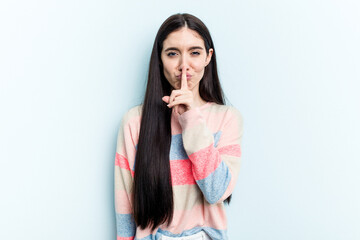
x=205, y=105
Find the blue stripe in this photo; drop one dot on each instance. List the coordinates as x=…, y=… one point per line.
x=133, y=166
x=148, y=237
x=177, y=150
x=215, y=234
x=125, y=225
x=214, y=185
x=217, y=136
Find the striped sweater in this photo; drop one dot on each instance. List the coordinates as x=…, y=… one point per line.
x=204, y=162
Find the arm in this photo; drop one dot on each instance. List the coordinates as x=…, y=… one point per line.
x=123, y=176
x=215, y=168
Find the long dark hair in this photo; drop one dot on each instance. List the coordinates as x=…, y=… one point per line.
x=152, y=191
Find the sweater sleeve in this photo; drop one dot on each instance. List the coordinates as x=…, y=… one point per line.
x=123, y=176
x=215, y=168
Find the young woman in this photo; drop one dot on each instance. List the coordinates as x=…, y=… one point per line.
x=178, y=153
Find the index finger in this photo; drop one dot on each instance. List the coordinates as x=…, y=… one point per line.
x=184, y=84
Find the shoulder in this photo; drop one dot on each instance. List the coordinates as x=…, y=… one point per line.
x=228, y=112
x=235, y=113
x=131, y=115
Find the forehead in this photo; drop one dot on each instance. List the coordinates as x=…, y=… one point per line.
x=184, y=37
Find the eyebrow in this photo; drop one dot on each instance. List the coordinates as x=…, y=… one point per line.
x=176, y=49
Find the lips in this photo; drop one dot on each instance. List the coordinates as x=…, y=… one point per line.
x=187, y=76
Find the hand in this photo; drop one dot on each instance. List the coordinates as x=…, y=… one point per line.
x=184, y=97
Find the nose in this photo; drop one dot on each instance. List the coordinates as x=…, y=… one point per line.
x=184, y=62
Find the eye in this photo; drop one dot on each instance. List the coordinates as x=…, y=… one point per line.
x=171, y=54
x=196, y=53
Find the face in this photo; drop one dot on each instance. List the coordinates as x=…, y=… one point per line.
x=184, y=48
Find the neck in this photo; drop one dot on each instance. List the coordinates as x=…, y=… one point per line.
x=198, y=101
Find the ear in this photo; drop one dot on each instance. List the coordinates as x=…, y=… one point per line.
x=208, y=57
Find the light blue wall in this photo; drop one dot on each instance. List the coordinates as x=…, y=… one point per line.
x=70, y=69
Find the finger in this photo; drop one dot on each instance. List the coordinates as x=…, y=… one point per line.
x=171, y=98
x=180, y=100
x=166, y=99
x=184, y=84
x=173, y=95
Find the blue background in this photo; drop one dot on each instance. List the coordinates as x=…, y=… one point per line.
x=70, y=69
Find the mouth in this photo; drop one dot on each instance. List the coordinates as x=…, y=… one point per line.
x=188, y=76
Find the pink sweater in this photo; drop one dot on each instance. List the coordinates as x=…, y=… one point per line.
x=204, y=161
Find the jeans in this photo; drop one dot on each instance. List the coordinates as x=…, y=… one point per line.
x=198, y=236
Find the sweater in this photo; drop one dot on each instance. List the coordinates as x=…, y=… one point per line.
x=204, y=157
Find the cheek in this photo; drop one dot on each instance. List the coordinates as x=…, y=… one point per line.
x=198, y=64
x=199, y=67
x=168, y=66
x=167, y=70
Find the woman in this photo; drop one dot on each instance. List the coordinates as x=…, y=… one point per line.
x=178, y=153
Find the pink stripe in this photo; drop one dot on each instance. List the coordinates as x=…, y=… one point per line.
x=232, y=150
x=117, y=161
x=122, y=162
x=125, y=238
x=205, y=161
x=208, y=159
x=181, y=172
